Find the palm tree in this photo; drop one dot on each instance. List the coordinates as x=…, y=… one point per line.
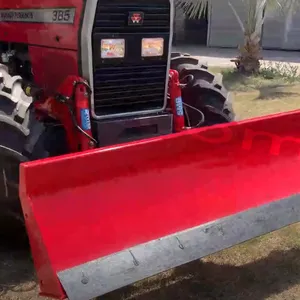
x=248, y=60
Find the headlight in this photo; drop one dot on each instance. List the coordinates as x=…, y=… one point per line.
x=152, y=47
x=112, y=48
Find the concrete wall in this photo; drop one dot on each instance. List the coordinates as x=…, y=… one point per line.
x=282, y=29
x=224, y=29
x=179, y=21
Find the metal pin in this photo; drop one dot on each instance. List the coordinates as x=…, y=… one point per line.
x=84, y=279
x=179, y=243
x=135, y=261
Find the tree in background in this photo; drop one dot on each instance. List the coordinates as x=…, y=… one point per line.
x=248, y=60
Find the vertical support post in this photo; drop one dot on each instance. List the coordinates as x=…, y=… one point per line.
x=176, y=101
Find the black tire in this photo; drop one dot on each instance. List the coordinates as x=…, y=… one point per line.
x=20, y=140
x=15, y=149
x=202, y=90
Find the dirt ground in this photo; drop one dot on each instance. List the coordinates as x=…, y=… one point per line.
x=266, y=268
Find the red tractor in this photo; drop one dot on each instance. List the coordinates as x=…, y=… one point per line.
x=125, y=156
x=83, y=75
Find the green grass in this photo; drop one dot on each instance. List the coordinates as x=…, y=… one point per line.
x=271, y=75
x=258, y=95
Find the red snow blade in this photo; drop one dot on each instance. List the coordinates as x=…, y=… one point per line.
x=103, y=219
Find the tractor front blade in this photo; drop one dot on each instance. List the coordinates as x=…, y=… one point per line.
x=106, y=218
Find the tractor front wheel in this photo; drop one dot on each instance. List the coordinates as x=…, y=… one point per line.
x=206, y=101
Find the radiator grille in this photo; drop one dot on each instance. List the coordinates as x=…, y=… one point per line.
x=131, y=84
x=112, y=17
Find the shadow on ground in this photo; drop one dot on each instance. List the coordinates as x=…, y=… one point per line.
x=232, y=79
x=197, y=280
x=16, y=268
x=275, y=92
x=210, y=281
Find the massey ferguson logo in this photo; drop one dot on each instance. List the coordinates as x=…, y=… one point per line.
x=135, y=18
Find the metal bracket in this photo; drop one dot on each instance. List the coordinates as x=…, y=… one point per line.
x=12, y=89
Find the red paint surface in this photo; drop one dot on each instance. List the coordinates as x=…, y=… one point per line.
x=38, y=33
x=60, y=111
x=53, y=48
x=52, y=66
x=95, y=203
x=82, y=102
x=175, y=92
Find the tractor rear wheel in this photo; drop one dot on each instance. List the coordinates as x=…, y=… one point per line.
x=206, y=100
x=21, y=139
